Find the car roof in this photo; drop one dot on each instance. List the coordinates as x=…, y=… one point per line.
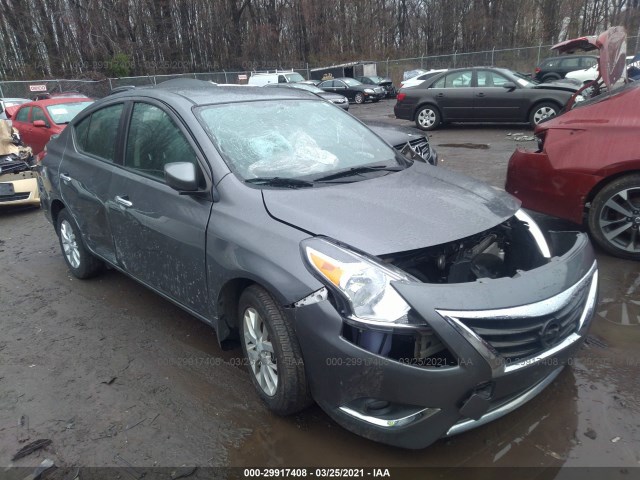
x=200, y=92
x=56, y=101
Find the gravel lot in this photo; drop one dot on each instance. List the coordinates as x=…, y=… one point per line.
x=115, y=375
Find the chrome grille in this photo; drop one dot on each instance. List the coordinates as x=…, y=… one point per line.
x=520, y=338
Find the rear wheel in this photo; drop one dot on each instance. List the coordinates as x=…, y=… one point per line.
x=272, y=352
x=614, y=218
x=551, y=77
x=80, y=261
x=428, y=118
x=359, y=98
x=542, y=112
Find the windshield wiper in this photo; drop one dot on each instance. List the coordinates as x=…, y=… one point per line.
x=358, y=171
x=279, y=182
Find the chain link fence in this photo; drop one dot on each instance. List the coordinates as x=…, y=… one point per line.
x=520, y=59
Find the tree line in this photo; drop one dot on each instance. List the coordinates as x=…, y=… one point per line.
x=97, y=38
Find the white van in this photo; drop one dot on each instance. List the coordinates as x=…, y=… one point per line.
x=261, y=79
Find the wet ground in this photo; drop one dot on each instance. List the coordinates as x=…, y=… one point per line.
x=114, y=375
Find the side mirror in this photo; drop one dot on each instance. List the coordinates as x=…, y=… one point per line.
x=40, y=124
x=181, y=176
x=509, y=85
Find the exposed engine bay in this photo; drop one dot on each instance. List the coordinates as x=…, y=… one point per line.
x=15, y=157
x=499, y=252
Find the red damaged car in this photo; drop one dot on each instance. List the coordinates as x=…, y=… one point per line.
x=587, y=166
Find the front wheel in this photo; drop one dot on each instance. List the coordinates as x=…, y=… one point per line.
x=272, y=352
x=359, y=98
x=80, y=261
x=542, y=112
x=428, y=118
x=614, y=218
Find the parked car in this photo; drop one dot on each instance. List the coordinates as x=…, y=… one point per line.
x=417, y=80
x=311, y=82
x=262, y=79
x=586, y=168
x=586, y=75
x=6, y=103
x=38, y=121
x=353, y=89
x=337, y=99
x=386, y=83
x=414, y=146
x=555, y=68
x=480, y=94
x=18, y=184
x=347, y=271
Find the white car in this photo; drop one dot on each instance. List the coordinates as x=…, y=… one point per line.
x=585, y=75
x=412, y=82
x=590, y=74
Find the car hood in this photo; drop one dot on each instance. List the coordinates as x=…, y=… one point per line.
x=613, y=51
x=330, y=96
x=415, y=208
x=565, y=85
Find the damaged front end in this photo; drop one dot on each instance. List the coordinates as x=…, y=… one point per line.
x=448, y=337
x=17, y=174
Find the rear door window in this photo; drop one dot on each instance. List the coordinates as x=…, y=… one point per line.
x=571, y=63
x=97, y=134
x=23, y=115
x=458, y=79
x=588, y=62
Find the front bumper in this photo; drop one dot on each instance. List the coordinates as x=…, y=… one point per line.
x=25, y=189
x=428, y=402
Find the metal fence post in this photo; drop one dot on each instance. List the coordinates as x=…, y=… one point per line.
x=454, y=58
x=308, y=72
x=492, y=56
x=110, y=84
x=387, y=74
x=1, y=94
x=225, y=76
x=539, y=48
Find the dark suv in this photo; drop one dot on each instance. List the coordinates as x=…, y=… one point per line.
x=555, y=68
x=410, y=302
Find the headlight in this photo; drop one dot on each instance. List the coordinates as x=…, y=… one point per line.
x=363, y=282
x=368, y=90
x=535, y=231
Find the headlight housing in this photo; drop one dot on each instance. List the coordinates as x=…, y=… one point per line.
x=362, y=282
x=369, y=90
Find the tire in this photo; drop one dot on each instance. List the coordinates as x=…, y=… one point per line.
x=80, y=261
x=428, y=118
x=610, y=224
x=359, y=98
x=266, y=335
x=542, y=112
x=550, y=78
x=375, y=100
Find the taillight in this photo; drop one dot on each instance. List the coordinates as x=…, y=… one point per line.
x=538, y=70
x=401, y=96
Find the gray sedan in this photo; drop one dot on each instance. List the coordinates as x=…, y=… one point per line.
x=409, y=302
x=481, y=94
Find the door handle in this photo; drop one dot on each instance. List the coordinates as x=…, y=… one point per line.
x=65, y=178
x=480, y=94
x=440, y=95
x=123, y=201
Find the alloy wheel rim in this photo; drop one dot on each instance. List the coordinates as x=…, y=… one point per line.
x=69, y=244
x=619, y=220
x=359, y=98
x=543, y=113
x=260, y=353
x=427, y=118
